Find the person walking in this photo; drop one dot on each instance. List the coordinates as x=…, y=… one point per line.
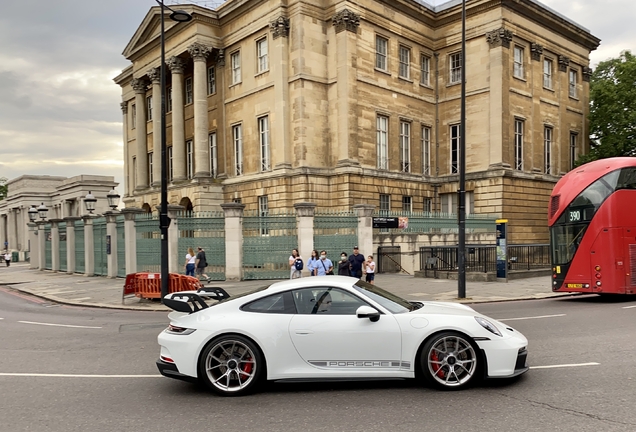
x=324, y=266
x=344, y=266
x=200, y=264
x=356, y=260
x=294, y=271
x=7, y=258
x=369, y=266
x=313, y=261
x=190, y=260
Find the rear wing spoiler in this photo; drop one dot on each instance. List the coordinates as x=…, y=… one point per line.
x=194, y=301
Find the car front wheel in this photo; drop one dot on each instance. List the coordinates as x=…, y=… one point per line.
x=231, y=365
x=449, y=361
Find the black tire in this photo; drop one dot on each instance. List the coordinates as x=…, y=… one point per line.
x=231, y=365
x=450, y=361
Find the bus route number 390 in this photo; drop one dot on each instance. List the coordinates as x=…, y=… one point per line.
x=574, y=216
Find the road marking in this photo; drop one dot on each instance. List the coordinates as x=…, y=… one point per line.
x=534, y=317
x=76, y=375
x=58, y=325
x=565, y=365
x=629, y=307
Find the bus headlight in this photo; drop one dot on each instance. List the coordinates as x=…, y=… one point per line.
x=598, y=283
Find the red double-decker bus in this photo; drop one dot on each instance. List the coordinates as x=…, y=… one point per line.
x=592, y=220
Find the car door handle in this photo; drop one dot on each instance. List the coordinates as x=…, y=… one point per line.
x=304, y=332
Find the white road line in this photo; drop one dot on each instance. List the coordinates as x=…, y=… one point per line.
x=58, y=325
x=76, y=375
x=629, y=307
x=534, y=317
x=564, y=365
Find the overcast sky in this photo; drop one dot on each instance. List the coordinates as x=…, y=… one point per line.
x=59, y=108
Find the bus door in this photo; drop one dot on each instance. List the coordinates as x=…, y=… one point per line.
x=629, y=263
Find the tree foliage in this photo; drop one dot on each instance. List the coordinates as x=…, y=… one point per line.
x=3, y=188
x=613, y=109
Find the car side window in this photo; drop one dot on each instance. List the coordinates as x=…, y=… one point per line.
x=280, y=303
x=326, y=301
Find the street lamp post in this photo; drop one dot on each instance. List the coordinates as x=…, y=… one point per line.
x=461, y=190
x=164, y=220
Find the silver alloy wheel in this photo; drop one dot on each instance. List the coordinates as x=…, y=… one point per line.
x=230, y=365
x=451, y=361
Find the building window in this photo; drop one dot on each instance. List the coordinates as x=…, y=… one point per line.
x=454, y=148
x=134, y=173
x=263, y=138
x=455, y=62
x=428, y=205
x=426, y=150
x=236, y=67
x=150, y=176
x=405, y=146
x=425, y=70
x=381, y=50
x=385, y=203
x=382, y=133
x=214, y=158
x=448, y=201
x=263, y=212
x=518, y=145
x=547, y=150
x=133, y=114
x=170, y=166
x=407, y=204
x=573, y=138
x=188, y=91
x=262, y=55
x=169, y=99
x=211, y=80
x=189, y=159
x=572, y=82
x=237, y=138
x=405, y=62
x=547, y=73
x=149, y=107
x=518, y=62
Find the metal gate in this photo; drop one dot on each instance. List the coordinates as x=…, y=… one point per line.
x=80, y=259
x=389, y=259
x=206, y=230
x=63, y=264
x=47, y=247
x=121, y=247
x=335, y=232
x=148, y=243
x=99, y=250
x=267, y=244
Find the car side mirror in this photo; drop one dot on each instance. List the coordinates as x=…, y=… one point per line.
x=368, y=312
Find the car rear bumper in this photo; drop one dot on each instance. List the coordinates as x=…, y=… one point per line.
x=170, y=370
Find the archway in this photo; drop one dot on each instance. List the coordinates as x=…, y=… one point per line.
x=146, y=207
x=186, y=204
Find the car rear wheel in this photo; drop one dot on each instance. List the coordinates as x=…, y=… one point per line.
x=449, y=361
x=231, y=365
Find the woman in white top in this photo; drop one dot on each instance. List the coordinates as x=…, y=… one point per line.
x=189, y=262
x=293, y=273
x=369, y=266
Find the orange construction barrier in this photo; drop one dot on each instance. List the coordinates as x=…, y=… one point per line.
x=148, y=285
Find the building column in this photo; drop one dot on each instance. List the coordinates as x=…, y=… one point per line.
x=365, y=227
x=127, y=164
x=178, y=120
x=155, y=77
x=305, y=228
x=20, y=229
x=34, y=260
x=139, y=86
x=12, y=236
x=3, y=231
x=199, y=53
x=130, y=236
x=41, y=245
x=174, y=254
x=89, y=246
x=233, y=240
x=70, y=244
x=55, y=244
x=279, y=66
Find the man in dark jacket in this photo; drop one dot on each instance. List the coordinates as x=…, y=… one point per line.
x=200, y=264
x=356, y=259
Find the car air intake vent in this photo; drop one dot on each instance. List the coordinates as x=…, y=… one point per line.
x=554, y=204
x=632, y=263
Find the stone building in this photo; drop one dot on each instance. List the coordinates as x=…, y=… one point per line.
x=340, y=103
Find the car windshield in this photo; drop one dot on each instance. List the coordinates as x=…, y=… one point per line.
x=391, y=302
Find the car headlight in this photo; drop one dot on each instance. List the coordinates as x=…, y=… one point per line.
x=488, y=325
x=179, y=330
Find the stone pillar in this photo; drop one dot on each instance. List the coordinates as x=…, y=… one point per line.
x=41, y=245
x=12, y=235
x=55, y=244
x=70, y=243
x=279, y=66
x=155, y=76
x=305, y=228
x=233, y=240
x=130, y=236
x=20, y=225
x=139, y=86
x=365, y=228
x=127, y=163
x=34, y=257
x=178, y=120
x=3, y=231
x=176, y=257
x=89, y=246
x=111, y=231
x=346, y=25
x=199, y=53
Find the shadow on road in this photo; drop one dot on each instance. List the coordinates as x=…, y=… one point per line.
x=599, y=298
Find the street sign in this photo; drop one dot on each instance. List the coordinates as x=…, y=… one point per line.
x=385, y=222
x=502, y=252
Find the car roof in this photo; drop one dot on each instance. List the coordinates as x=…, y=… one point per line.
x=306, y=282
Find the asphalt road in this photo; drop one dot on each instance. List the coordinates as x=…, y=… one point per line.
x=94, y=370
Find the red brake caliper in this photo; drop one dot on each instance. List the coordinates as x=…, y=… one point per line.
x=436, y=367
x=247, y=367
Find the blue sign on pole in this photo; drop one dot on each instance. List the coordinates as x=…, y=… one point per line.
x=502, y=252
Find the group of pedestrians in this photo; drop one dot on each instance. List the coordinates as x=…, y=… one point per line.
x=319, y=265
x=195, y=264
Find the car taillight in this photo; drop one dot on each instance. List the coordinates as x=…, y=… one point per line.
x=179, y=330
x=166, y=359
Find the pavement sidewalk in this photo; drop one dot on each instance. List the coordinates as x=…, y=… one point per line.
x=79, y=290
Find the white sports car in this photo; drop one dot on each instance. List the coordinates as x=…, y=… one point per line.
x=331, y=328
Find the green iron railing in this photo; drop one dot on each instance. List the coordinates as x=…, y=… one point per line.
x=99, y=251
x=335, y=232
x=48, y=265
x=63, y=260
x=121, y=247
x=205, y=230
x=80, y=259
x=148, y=242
